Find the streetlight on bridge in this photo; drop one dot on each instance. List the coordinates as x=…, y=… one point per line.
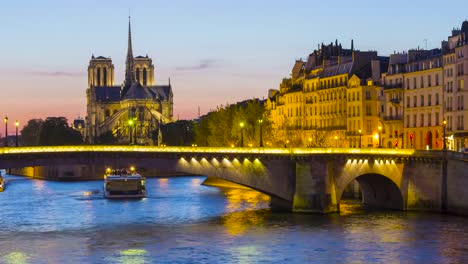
x=261, y=132
x=380, y=136
x=16, y=125
x=445, y=140
x=241, y=124
x=360, y=135
x=130, y=130
x=6, y=131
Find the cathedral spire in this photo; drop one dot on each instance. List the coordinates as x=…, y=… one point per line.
x=129, y=70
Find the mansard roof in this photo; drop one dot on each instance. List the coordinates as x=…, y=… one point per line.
x=337, y=69
x=107, y=94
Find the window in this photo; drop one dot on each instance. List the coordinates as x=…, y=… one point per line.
x=104, y=79
x=429, y=81
x=414, y=120
x=407, y=101
x=414, y=83
x=429, y=100
x=144, y=77
x=437, y=79
x=422, y=100
x=422, y=120
x=138, y=74
x=422, y=81
x=437, y=99
x=429, y=119
x=436, y=118
x=415, y=101
x=408, y=84
x=407, y=121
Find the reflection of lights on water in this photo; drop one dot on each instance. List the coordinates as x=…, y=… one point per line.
x=247, y=201
x=133, y=256
x=196, y=182
x=16, y=258
x=163, y=182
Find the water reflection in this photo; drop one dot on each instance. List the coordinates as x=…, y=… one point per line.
x=16, y=258
x=182, y=221
x=248, y=200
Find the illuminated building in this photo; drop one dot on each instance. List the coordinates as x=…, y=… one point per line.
x=455, y=60
x=329, y=98
x=346, y=94
x=132, y=112
x=413, y=100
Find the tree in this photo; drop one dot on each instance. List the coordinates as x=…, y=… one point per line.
x=31, y=132
x=55, y=131
x=179, y=133
x=107, y=138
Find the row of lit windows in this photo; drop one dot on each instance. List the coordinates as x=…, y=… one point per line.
x=422, y=121
x=422, y=101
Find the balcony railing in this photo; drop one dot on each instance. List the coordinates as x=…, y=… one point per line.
x=393, y=117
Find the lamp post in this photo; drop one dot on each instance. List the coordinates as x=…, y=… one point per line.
x=360, y=135
x=445, y=140
x=261, y=132
x=130, y=128
x=380, y=136
x=6, y=131
x=17, y=125
x=241, y=124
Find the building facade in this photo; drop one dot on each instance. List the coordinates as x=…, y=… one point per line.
x=331, y=100
x=131, y=112
x=347, y=98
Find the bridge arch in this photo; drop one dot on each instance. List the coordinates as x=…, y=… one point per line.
x=379, y=191
x=380, y=182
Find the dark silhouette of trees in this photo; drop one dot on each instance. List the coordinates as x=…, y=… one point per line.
x=31, y=131
x=179, y=133
x=52, y=131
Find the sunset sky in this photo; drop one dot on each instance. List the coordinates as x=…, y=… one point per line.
x=215, y=52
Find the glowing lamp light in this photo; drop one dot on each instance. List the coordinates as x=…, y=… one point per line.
x=376, y=136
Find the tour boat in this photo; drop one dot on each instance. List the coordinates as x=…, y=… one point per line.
x=2, y=183
x=124, y=184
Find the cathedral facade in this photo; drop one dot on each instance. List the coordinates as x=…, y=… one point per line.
x=132, y=112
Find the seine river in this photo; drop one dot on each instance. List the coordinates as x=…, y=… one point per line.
x=184, y=222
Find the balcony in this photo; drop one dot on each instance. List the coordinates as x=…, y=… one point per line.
x=395, y=100
x=393, y=117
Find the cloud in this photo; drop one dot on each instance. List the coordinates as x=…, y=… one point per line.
x=204, y=64
x=58, y=73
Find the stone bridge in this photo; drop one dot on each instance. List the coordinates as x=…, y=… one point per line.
x=299, y=179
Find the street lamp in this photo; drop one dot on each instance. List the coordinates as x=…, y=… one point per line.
x=380, y=136
x=6, y=131
x=336, y=141
x=241, y=124
x=445, y=142
x=360, y=135
x=130, y=128
x=17, y=125
x=261, y=132
x=310, y=143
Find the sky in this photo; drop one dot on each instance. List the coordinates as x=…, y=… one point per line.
x=214, y=52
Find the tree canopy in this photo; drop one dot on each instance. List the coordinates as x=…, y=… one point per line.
x=52, y=131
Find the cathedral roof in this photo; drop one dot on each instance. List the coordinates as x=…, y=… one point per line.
x=137, y=91
x=163, y=92
x=107, y=94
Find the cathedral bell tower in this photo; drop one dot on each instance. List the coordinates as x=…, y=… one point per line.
x=100, y=72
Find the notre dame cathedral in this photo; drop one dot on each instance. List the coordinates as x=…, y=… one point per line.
x=132, y=112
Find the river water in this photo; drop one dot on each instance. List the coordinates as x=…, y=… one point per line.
x=182, y=221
